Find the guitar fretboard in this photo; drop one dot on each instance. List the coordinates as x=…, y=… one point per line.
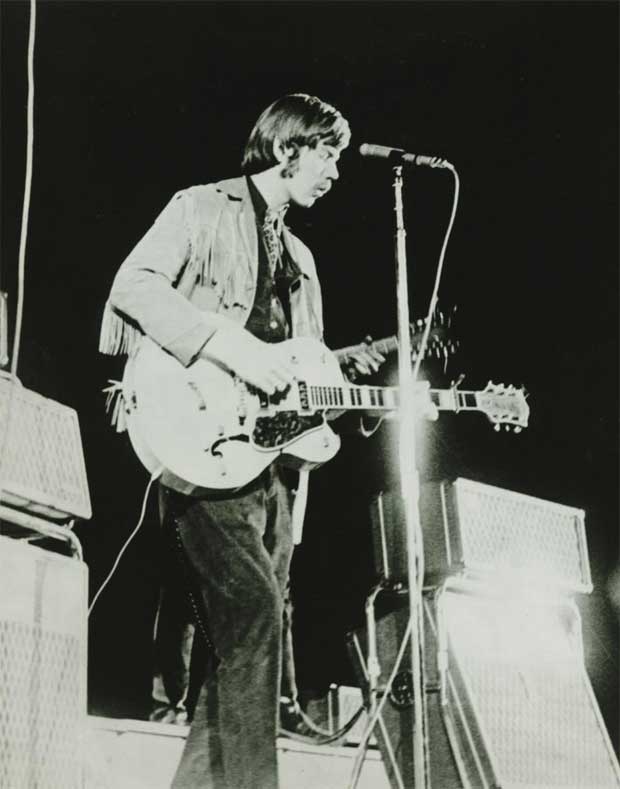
x=381, y=398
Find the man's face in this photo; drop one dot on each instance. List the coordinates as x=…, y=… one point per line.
x=313, y=174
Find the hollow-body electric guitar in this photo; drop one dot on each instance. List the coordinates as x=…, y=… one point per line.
x=206, y=429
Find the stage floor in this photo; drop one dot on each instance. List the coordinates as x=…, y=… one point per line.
x=131, y=754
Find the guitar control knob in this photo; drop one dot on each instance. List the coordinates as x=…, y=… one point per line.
x=326, y=441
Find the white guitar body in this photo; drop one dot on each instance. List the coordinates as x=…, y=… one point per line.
x=198, y=425
x=201, y=428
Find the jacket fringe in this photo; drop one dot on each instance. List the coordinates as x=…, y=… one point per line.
x=117, y=335
x=115, y=403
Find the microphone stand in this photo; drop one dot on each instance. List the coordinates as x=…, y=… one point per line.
x=410, y=488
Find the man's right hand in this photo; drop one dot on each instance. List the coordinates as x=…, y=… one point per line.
x=265, y=365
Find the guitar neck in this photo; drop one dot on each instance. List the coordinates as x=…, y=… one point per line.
x=382, y=398
x=455, y=399
x=384, y=346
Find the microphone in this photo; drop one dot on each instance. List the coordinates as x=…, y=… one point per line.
x=397, y=156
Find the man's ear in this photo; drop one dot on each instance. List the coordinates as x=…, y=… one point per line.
x=281, y=152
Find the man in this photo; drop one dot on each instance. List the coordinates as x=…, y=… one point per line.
x=219, y=277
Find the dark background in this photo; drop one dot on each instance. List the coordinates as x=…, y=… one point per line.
x=137, y=100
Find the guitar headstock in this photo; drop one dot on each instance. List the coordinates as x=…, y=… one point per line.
x=439, y=344
x=504, y=405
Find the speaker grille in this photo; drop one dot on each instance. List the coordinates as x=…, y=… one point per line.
x=501, y=529
x=483, y=533
x=520, y=676
x=42, y=668
x=43, y=467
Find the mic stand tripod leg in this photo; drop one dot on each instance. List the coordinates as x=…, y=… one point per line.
x=373, y=666
x=372, y=673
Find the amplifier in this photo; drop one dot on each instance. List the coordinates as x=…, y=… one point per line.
x=481, y=532
x=508, y=700
x=43, y=668
x=42, y=466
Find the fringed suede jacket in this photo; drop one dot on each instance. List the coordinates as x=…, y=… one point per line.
x=195, y=271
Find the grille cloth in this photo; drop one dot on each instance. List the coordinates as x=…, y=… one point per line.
x=524, y=675
x=43, y=466
x=501, y=530
x=42, y=668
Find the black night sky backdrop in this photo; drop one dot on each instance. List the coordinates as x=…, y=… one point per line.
x=135, y=100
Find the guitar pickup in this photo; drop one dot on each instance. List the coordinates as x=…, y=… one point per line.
x=304, y=396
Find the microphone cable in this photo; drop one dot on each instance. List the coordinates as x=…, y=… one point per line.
x=435, y=293
x=329, y=739
x=10, y=404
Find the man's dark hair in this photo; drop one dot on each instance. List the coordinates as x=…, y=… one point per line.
x=296, y=120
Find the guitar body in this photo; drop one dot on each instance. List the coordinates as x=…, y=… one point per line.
x=206, y=430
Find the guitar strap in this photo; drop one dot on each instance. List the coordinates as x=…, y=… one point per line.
x=299, y=506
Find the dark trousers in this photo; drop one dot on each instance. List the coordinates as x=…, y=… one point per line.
x=238, y=548
x=174, y=636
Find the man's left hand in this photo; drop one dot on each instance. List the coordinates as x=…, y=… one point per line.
x=365, y=361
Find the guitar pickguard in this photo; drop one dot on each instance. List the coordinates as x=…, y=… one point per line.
x=273, y=432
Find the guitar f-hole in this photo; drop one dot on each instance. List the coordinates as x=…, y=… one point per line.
x=213, y=449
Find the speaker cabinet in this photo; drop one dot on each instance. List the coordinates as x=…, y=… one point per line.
x=480, y=533
x=508, y=700
x=43, y=652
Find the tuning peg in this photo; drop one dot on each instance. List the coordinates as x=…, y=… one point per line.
x=497, y=428
x=518, y=429
x=419, y=323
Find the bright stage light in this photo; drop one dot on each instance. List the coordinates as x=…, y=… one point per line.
x=514, y=629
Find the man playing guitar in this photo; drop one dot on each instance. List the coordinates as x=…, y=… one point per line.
x=219, y=277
